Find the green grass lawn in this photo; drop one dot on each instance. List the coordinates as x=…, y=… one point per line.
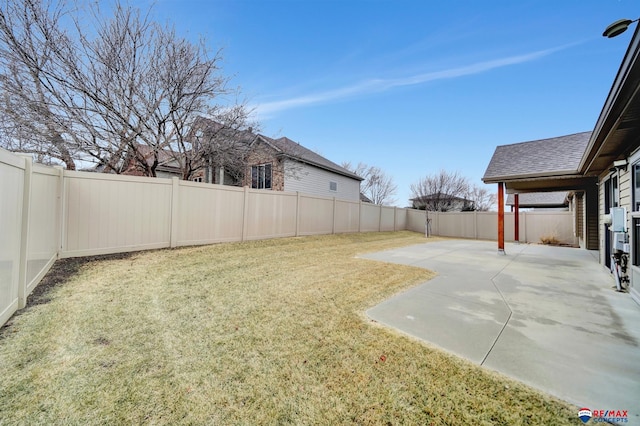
x=266, y=332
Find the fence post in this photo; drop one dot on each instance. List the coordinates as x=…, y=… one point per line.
x=333, y=227
x=360, y=216
x=173, y=240
x=395, y=218
x=475, y=224
x=62, y=213
x=379, y=217
x=245, y=214
x=297, y=213
x=24, y=231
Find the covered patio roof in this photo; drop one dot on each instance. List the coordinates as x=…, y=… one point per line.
x=542, y=165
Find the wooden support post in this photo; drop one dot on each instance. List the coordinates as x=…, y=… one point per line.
x=516, y=218
x=500, y=218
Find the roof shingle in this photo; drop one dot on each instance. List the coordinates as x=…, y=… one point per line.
x=545, y=157
x=296, y=151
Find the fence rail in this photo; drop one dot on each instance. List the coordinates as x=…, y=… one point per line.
x=48, y=213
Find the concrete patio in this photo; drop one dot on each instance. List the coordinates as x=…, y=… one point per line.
x=546, y=316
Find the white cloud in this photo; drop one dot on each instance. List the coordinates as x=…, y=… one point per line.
x=381, y=85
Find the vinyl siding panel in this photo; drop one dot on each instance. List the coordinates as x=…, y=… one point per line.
x=309, y=179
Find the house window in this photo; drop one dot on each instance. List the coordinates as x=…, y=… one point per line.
x=636, y=241
x=333, y=186
x=636, y=186
x=610, y=194
x=261, y=176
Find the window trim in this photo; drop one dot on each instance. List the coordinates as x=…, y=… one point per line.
x=634, y=214
x=262, y=176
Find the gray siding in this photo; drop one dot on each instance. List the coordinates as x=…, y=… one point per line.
x=313, y=180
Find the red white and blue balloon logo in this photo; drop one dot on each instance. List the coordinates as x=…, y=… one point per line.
x=584, y=414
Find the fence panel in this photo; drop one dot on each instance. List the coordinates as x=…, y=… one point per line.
x=369, y=217
x=347, y=216
x=12, y=174
x=315, y=215
x=270, y=214
x=415, y=220
x=208, y=213
x=113, y=214
x=548, y=224
x=387, y=218
x=456, y=224
x=487, y=225
x=44, y=223
x=401, y=219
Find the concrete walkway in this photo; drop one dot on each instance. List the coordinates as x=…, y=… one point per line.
x=546, y=316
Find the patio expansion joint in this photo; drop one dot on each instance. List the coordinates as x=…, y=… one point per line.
x=504, y=326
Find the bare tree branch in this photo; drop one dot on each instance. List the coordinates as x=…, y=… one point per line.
x=443, y=191
x=377, y=185
x=124, y=95
x=482, y=199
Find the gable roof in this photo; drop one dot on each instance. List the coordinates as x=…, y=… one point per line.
x=545, y=157
x=288, y=148
x=539, y=199
x=541, y=165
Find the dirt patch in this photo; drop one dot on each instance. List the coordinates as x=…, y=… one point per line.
x=60, y=272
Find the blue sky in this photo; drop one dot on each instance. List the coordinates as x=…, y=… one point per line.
x=414, y=86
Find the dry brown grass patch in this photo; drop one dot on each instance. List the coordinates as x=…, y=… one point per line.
x=266, y=332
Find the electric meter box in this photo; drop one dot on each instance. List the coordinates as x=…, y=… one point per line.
x=621, y=241
x=618, y=219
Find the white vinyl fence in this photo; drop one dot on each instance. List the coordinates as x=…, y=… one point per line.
x=48, y=213
x=534, y=225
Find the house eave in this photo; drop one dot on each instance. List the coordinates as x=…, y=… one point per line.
x=320, y=166
x=559, y=174
x=547, y=183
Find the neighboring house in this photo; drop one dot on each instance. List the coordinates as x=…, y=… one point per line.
x=442, y=202
x=540, y=200
x=167, y=166
x=266, y=163
x=365, y=199
x=601, y=168
x=284, y=165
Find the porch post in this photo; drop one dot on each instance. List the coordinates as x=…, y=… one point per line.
x=500, y=218
x=516, y=218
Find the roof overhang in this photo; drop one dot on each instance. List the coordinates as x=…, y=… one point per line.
x=573, y=182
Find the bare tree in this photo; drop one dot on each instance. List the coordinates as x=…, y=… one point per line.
x=221, y=148
x=482, y=199
x=34, y=116
x=123, y=95
x=377, y=185
x=443, y=191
